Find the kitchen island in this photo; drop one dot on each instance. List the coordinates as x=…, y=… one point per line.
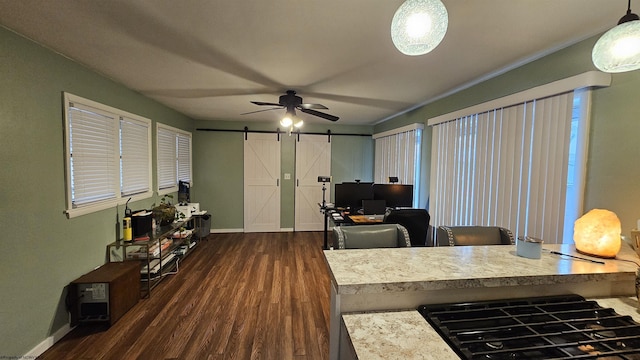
x=385, y=286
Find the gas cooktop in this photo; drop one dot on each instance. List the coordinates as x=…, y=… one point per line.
x=558, y=327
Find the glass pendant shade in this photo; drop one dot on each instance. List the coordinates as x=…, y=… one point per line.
x=618, y=50
x=418, y=26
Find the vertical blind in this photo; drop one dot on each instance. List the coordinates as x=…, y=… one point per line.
x=398, y=155
x=504, y=167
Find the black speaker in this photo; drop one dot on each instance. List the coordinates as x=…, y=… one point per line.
x=184, y=192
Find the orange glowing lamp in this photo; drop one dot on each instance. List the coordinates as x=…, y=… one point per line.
x=597, y=233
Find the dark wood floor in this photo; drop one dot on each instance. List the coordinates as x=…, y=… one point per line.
x=237, y=296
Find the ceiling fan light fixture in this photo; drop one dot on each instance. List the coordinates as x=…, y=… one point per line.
x=298, y=123
x=286, y=121
x=418, y=26
x=618, y=50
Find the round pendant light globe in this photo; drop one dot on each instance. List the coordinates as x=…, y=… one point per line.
x=418, y=26
x=618, y=50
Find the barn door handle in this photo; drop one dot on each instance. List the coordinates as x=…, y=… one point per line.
x=278, y=182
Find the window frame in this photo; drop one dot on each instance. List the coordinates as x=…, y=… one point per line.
x=72, y=209
x=178, y=134
x=579, y=86
x=410, y=137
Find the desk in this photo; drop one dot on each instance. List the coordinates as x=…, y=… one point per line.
x=364, y=219
x=344, y=220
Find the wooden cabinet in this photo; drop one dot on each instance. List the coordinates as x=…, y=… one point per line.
x=104, y=294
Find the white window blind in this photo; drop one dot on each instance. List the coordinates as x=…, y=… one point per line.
x=174, y=157
x=166, y=159
x=93, y=154
x=397, y=153
x=135, y=156
x=184, y=157
x=108, y=154
x=504, y=167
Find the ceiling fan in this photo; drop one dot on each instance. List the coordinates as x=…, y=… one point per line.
x=290, y=101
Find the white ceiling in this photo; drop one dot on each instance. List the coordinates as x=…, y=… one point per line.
x=209, y=58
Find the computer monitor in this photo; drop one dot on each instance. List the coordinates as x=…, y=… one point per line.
x=374, y=207
x=395, y=195
x=351, y=194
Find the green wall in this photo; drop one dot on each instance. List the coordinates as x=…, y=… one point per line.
x=43, y=250
x=615, y=125
x=218, y=157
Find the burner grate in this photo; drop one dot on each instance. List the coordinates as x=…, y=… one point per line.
x=558, y=327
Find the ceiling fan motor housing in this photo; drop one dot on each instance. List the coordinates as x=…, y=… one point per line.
x=290, y=100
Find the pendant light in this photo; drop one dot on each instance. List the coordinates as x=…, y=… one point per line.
x=418, y=26
x=618, y=50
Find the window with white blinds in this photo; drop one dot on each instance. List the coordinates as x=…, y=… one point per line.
x=517, y=161
x=107, y=155
x=397, y=153
x=174, y=158
x=135, y=160
x=93, y=150
x=505, y=167
x=184, y=157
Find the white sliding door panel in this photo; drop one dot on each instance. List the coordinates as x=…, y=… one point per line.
x=313, y=159
x=261, y=183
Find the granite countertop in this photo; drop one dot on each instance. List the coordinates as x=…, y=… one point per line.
x=407, y=335
x=360, y=271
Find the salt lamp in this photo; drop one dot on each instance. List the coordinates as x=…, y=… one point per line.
x=597, y=233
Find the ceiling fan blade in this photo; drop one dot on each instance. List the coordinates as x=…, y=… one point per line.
x=313, y=106
x=320, y=114
x=265, y=103
x=257, y=111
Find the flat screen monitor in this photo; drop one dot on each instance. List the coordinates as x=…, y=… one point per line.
x=351, y=194
x=395, y=195
x=374, y=207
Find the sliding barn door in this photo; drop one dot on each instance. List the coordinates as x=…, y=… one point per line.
x=313, y=159
x=261, y=183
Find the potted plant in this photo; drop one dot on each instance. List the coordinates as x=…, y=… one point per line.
x=164, y=213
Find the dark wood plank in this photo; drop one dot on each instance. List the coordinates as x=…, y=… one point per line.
x=237, y=296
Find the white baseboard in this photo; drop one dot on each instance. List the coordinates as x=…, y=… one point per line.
x=222, y=231
x=47, y=343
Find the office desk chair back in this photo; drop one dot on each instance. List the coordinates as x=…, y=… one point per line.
x=473, y=235
x=416, y=221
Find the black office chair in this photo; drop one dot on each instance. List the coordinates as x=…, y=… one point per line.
x=416, y=221
x=473, y=235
